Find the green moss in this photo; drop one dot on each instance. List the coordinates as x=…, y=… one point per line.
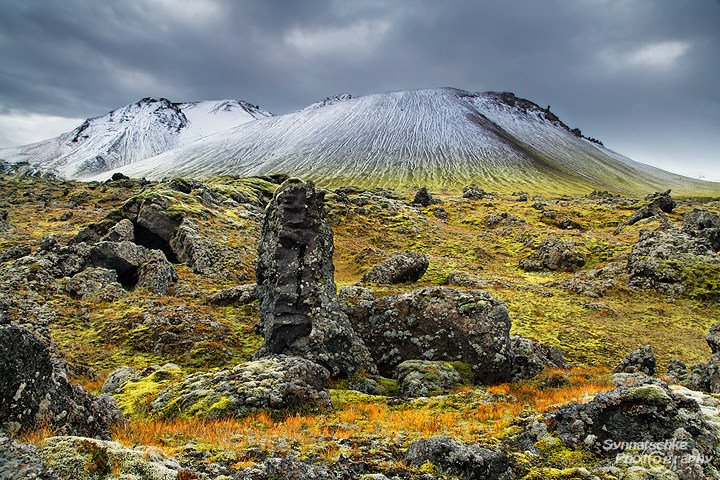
x=652, y=394
x=138, y=394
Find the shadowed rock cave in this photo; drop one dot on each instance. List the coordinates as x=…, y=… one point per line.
x=153, y=241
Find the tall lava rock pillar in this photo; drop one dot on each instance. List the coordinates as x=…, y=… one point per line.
x=299, y=309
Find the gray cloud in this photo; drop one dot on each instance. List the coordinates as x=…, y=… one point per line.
x=638, y=75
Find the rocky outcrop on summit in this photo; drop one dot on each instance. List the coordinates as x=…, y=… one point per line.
x=648, y=411
x=661, y=203
x=437, y=323
x=468, y=462
x=299, y=310
x=278, y=382
x=554, y=254
x=34, y=389
x=401, y=267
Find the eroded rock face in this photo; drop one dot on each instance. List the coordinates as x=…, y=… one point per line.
x=299, y=310
x=278, y=382
x=191, y=248
x=641, y=360
x=157, y=274
x=438, y=323
x=401, y=267
x=468, y=462
x=238, y=295
x=661, y=204
x=34, y=389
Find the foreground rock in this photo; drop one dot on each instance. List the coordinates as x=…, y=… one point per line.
x=299, y=310
x=647, y=411
x=21, y=462
x=399, y=268
x=705, y=225
x=277, y=383
x=77, y=458
x=470, y=462
x=34, y=389
x=438, y=323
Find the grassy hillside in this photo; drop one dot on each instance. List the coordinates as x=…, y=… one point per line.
x=594, y=317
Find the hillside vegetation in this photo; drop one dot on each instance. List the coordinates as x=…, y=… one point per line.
x=595, y=310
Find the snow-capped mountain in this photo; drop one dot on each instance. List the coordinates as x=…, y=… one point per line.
x=130, y=134
x=444, y=138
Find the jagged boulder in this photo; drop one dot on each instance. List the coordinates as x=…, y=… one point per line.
x=123, y=231
x=661, y=203
x=279, y=382
x=238, y=295
x=156, y=273
x=14, y=252
x=34, y=389
x=423, y=198
x=438, y=323
x=152, y=216
x=401, y=267
x=299, y=310
x=703, y=224
x=473, y=192
x=531, y=358
x=469, y=462
x=647, y=411
x=554, y=254
x=116, y=378
x=713, y=338
x=98, y=284
x=19, y=461
x=672, y=262
x=640, y=360
x=191, y=248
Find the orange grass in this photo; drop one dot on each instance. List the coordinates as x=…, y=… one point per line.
x=317, y=434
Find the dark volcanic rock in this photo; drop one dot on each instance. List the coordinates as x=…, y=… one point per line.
x=298, y=303
x=647, y=411
x=662, y=260
x=99, y=284
x=157, y=273
x=123, y=231
x=554, y=254
x=400, y=267
x=470, y=462
x=19, y=461
x=703, y=224
x=530, y=358
x=420, y=378
x=713, y=338
x=191, y=248
x=661, y=204
x=438, y=323
x=33, y=389
x=279, y=382
x=422, y=198
x=238, y=295
x=641, y=360
x=473, y=192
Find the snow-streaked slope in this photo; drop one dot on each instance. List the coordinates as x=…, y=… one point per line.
x=444, y=138
x=132, y=133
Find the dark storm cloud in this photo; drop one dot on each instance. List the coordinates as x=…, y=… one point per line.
x=630, y=72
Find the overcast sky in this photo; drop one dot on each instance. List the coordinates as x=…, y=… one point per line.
x=643, y=76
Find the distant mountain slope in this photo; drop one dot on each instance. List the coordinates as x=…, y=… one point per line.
x=444, y=138
x=130, y=134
